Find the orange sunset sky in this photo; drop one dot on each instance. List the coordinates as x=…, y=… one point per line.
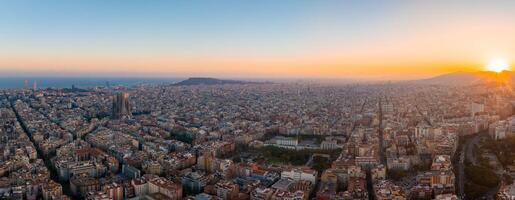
x=333, y=39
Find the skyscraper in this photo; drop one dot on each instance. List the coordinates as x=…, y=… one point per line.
x=121, y=106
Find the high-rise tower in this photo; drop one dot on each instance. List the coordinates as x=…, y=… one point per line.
x=121, y=106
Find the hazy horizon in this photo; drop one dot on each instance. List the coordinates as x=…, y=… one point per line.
x=221, y=76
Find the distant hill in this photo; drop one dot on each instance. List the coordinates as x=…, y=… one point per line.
x=468, y=78
x=208, y=81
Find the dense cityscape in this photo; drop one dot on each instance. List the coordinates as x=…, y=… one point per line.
x=257, y=100
x=258, y=141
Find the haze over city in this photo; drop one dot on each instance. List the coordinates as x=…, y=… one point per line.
x=321, y=39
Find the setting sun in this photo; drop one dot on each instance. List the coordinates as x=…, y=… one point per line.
x=498, y=65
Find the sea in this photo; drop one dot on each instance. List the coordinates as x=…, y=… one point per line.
x=80, y=82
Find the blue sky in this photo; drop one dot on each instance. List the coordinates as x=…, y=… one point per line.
x=182, y=25
x=277, y=33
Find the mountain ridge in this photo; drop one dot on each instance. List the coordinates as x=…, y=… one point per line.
x=208, y=81
x=468, y=78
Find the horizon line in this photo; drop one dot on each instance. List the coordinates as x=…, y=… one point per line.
x=261, y=77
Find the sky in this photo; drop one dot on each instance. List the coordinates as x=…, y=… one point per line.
x=268, y=38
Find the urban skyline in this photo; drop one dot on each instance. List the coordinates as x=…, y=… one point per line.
x=257, y=100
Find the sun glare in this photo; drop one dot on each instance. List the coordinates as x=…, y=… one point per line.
x=498, y=65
